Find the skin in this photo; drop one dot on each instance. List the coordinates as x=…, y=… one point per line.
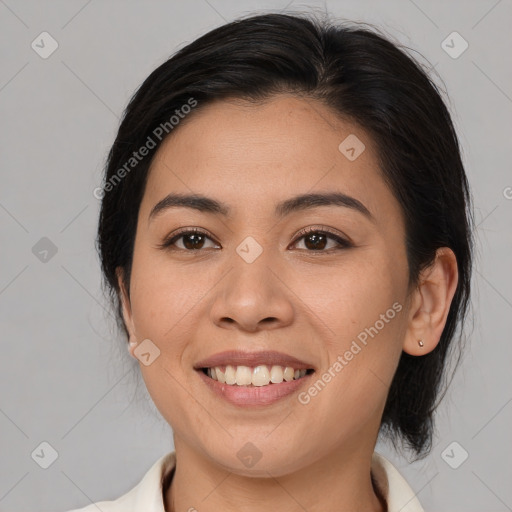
x=310, y=304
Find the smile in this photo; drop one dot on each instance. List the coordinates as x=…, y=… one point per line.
x=264, y=393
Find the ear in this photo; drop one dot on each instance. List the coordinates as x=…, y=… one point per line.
x=430, y=303
x=127, y=311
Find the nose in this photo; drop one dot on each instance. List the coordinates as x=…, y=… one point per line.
x=253, y=296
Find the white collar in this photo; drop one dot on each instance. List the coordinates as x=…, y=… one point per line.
x=397, y=493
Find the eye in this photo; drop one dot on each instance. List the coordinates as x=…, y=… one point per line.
x=316, y=239
x=193, y=240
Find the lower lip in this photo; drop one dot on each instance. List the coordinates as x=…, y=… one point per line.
x=254, y=395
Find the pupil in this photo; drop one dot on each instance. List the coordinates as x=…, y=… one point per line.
x=318, y=241
x=196, y=241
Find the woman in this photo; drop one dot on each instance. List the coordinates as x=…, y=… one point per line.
x=286, y=232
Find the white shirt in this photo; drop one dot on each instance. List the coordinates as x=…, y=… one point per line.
x=147, y=495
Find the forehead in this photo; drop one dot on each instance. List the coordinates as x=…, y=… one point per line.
x=248, y=154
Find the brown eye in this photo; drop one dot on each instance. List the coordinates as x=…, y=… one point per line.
x=317, y=240
x=192, y=240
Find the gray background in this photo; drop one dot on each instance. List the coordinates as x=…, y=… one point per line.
x=66, y=380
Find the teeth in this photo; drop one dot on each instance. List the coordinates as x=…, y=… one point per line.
x=243, y=376
x=257, y=376
x=230, y=375
x=288, y=374
x=260, y=376
x=276, y=374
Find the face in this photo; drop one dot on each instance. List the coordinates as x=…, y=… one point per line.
x=334, y=297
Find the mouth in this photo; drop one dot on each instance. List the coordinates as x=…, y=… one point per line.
x=263, y=368
x=254, y=378
x=263, y=393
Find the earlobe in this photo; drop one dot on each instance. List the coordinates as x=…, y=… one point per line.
x=431, y=304
x=132, y=345
x=127, y=313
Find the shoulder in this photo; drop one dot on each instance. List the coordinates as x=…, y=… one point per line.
x=146, y=495
x=124, y=503
x=105, y=506
x=395, y=490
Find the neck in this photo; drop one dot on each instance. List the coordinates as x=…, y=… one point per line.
x=340, y=481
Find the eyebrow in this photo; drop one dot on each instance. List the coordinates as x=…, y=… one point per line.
x=301, y=202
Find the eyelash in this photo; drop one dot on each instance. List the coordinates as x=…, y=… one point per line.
x=343, y=243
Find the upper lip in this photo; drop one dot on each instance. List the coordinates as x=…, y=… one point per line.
x=241, y=358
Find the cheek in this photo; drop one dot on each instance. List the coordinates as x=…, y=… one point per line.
x=352, y=296
x=361, y=312
x=163, y=296
x=163, y=306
